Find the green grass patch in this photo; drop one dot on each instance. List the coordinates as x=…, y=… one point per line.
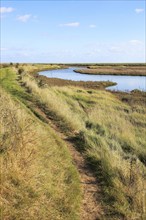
x=9, y=81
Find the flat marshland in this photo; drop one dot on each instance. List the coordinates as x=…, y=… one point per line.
x=129, y=70
x=39, y=177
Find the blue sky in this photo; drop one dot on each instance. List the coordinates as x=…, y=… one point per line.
x=73, y=31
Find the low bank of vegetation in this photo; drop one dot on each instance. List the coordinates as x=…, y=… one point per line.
x=133, y=70
x=38, y=179
x=83, y=84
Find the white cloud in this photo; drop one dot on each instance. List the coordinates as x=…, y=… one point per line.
x=116, y=49
x=24, y=18
x=135, y=42
x=139, y=10
x=93, y=52
x=92, y=26
x=73, y=24
x=35, y=18
x=3, y=49
x=6, y=9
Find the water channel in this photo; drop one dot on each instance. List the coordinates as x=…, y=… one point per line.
x=124, y=83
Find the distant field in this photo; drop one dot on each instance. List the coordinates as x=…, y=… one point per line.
x=134, y=70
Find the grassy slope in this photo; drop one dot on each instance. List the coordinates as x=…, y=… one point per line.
x=109, y=133
x=38, y=180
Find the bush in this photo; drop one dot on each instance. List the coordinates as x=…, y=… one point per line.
x=20, y=71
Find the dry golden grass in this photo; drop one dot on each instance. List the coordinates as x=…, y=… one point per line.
x=38, y=180
x=110, y=133
x=51, y=100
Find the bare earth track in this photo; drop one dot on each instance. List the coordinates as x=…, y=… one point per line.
x=91, y=208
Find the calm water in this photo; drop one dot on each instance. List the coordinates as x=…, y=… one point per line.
x=124, y=83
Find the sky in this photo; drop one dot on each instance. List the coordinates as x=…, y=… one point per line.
x=99, y=31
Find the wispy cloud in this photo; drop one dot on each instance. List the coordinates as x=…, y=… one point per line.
x=116, y=49
x=6, y=10
x=92, y=26
x=135, y=42
x=139, y=10
x=73, y=24
x=119, y=50
x=3, y=49
x=24, y=18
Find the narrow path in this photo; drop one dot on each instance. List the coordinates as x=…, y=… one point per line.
x=91, y=208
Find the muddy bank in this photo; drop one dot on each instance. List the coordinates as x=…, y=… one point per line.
x=61, y=82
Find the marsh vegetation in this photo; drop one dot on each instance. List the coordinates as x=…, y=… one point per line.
x=107, y=128
x=121, y=69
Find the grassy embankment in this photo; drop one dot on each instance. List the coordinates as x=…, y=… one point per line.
x=109, y=131
x=129, y=70
x=38, y=179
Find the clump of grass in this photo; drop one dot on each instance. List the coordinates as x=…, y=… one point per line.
x=9, y=82
x=51, y=103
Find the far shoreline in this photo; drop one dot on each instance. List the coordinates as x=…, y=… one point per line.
x=118, y=70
